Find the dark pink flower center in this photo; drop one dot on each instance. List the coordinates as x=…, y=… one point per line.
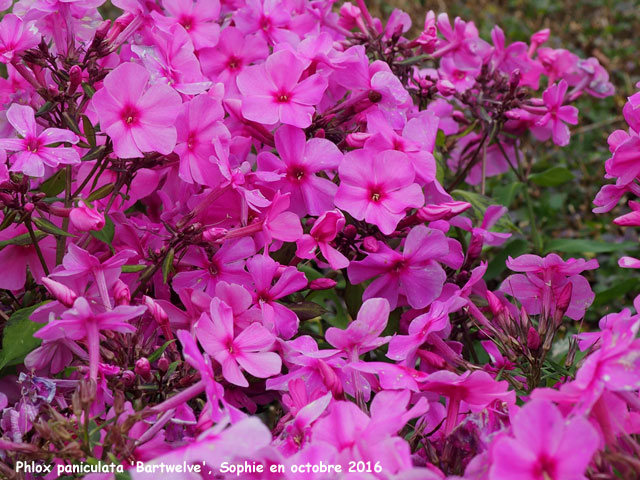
x=265, y=23
x=545, y=468
x=283, y=97
x=130, y=115
x=375, y=193
x=398, y=265
x=296, y=173
x=234, y=62
x=33, y=144
x=187, y=22
x=459, y=74
x=192, y=140
x=213, y=269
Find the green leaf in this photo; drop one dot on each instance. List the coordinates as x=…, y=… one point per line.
x=353, y=298
x=22, y=240
x=8, y=218
x=88, y=89
x=156, y=355
x=89, y=131
x=133, y=268
x=553, y=177
x=307, y=310
x=18, y=339
x=618, y=291
x=46, y=108
x=101, y=192
x=167, y=265
x=578, y=245
x=506, y=194
x=107, y=233
x=46, y=226
x=55, y=184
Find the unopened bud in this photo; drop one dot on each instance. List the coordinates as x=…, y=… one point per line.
x=214, y=233
x=533, y=339
x=85, y=218
x=370, y=244
x=319, y=133
x=128, y=378
x=322, y=284
x=28, y=207
x=60, y=292
x=163, y=364
x=143, y=368
x=75, y=78
x=350, y=231
x=158, y=313
x=329, y=378
x=121, y=293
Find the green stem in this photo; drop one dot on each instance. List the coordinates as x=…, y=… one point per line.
x=61, y=244
x=34, y=240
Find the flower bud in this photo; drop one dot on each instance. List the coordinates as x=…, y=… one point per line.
x=75, y=78
x=143, y=368
x=214, y=233
x=370, y=244
x=533, y=339
x=128, y=378
x=163, y=364
x=329, y=378
x=86, y=219
x=563, y=301
x=350, y=231
x=445, y=88
x=121, y=293
x=60, y=292
x=322, y=284
x=158, y=313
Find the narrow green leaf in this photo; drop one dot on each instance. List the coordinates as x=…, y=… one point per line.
x=156, y=355
x=89, y=131
x=101, y=192
x=46, y=226
x=23, y=240
x=8, y=219
x=307, y=310
x=88, y=89
x=133, y=268
x=553, y=177
x=167, y=265
x=617, y=292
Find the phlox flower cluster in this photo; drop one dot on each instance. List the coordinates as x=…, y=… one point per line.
x=233, y=230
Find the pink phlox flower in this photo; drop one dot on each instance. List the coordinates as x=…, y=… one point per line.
x=544, y=278
x=461, y=42
x=378, y=187
x=81, y=323
x=623, y=165
x=247, y=350
x=276, y=317
x=557, y=63
x=544, y=445
x=199, y=121
x=171, y=60
x=363, y=334
x=198, y=18
x=476, y=389
x=413, y=274
x=79, y=266
x=299, y=161
x=226, y=264
x=553, y=123
x=233, y=53
x=323, y=231
x=462, y=78
x=510, y=58
x=432, y=327
x=138, y=119
x=269, y=19
x=392, y=376
x=15, y=37
x=417, y=141
x=33, y=150
x=274, y=92
x=297, y=433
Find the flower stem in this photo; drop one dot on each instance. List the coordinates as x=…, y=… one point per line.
x=34, y=240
